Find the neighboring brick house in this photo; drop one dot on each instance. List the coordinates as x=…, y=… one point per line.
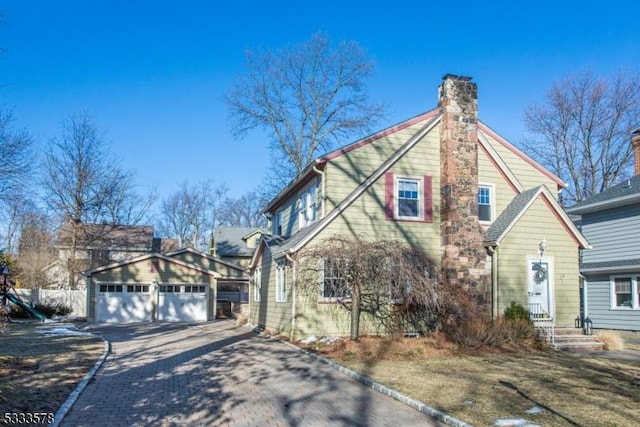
x=442, y=182
x=98, y=245
x=611, y=270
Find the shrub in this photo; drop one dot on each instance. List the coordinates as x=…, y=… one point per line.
x=612, y=340
x=516, y=311
x=48, y=309
x=241, y=319
x=507, y=334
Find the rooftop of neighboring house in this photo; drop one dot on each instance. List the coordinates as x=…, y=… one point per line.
x=625, y=193
x=236, y=241
x=108, y=236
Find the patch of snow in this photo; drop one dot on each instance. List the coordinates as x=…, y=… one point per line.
x=513, y=422
x=330, y=340
x=62, y=331
x=309, y=340
x=534, y=410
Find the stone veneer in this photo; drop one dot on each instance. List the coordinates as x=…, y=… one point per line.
x=464, y=258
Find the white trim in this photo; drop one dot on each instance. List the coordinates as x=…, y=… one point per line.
x=551, y=279
x=307, y=205
x=281, y=283
x=635, y=304
x=493, y=154
x=396, y=197
x=492, y=202
x=345, y=203
x=564, y=217
x=257, y=284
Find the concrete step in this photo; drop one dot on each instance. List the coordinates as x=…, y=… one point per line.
x=573, y=340
x=578, y=346
x=568, y=331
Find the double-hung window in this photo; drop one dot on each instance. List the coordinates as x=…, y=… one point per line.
x=485, y=204
x=333, y=283
x=407, y=198
x=257, y=284
x=625, y=292
x=276, y=228
x=308, y=205
x=281, y=283
x=408, y=191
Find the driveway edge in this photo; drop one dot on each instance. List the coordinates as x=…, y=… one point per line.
x=401, y=397
x=66, y=406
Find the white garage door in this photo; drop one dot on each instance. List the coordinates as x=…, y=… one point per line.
x=123, y=303
x=182, y=303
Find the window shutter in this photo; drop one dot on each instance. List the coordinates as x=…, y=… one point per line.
x=388, y=196
x=428, y=199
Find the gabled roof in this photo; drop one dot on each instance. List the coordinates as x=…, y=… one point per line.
x=499, y=163
x=140, y=258
x=231, y=241
x=625, y=193
x=229, y=264
x=486, y=129
x=105, y=236
x=519, y=206
x=311, y=170
x=280, y=246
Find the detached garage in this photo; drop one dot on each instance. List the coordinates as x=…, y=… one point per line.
x=173, y=287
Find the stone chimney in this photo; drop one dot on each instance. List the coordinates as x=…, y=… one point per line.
x=635, y=143
x=464, y=258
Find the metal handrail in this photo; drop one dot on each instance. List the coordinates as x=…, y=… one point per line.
x=542, y=321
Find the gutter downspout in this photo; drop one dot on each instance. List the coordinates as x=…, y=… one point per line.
x=585, y=305
x=493, y=252
x=292, y=334
x=323, y=184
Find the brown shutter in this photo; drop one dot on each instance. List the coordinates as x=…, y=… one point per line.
x=428, y=200
x=388, y=196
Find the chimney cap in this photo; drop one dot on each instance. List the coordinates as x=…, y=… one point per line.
x=463, y=78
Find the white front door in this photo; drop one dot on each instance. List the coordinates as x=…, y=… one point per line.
x=540, y=285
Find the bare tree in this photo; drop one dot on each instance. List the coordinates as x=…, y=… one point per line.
x=581, y=132
x=244, y=211
x=36, y=249
x=192, y=213
x=393, y=283
x=16, y=155
x=307, y=98
x=82, y=180
x=16, y=177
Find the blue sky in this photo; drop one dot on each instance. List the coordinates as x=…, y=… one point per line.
x=153, y=73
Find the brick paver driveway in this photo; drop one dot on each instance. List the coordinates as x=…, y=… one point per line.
x=218, y=373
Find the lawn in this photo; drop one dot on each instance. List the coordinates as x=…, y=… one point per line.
x=561, y=389
x=38, y=371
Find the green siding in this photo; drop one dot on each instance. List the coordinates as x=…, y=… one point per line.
x=268, y=313
x=522, y=241
x=528, y=175
x=365, y=217
x=209, y=263
x=144, y=271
